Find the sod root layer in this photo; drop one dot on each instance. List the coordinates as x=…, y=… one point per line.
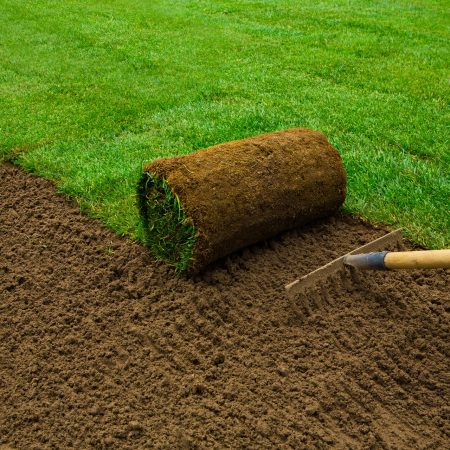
x=102, y=347
x=201, y=207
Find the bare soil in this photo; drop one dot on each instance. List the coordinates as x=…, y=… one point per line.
x=102, y=347
x=241, y=192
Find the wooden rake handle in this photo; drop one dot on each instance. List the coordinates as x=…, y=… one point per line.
x=424, y=259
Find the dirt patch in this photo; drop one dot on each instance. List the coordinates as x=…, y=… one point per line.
x=102, y=347
x=241, y=192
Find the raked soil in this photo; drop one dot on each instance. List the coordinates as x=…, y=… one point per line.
x=102, y=347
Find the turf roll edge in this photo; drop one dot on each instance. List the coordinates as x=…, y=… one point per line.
x=200, y=207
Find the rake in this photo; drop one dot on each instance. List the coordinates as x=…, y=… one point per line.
x=368, y=257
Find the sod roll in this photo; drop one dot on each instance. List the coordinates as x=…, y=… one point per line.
x=200, y=207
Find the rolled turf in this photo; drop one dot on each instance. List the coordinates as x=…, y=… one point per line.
x=200, y=207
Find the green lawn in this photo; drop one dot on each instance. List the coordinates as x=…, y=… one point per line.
x=90, y=90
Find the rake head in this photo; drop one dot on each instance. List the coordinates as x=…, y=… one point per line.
x=318, y=277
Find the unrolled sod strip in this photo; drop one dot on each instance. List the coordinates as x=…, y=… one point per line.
x=200, y=207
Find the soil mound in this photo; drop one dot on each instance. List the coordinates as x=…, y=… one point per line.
x=203, y=206
x=102, y=347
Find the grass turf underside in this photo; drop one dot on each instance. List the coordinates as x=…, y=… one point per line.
x=89, y=91
x=168, y=230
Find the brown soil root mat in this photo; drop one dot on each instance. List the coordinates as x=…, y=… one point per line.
x=102, y=347
x=203, y=206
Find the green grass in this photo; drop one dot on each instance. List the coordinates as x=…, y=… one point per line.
x=168, y=231
x=91, y=90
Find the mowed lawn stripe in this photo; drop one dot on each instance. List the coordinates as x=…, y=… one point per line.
x=90, y=91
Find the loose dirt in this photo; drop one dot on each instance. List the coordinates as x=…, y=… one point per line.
x=102, y=347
